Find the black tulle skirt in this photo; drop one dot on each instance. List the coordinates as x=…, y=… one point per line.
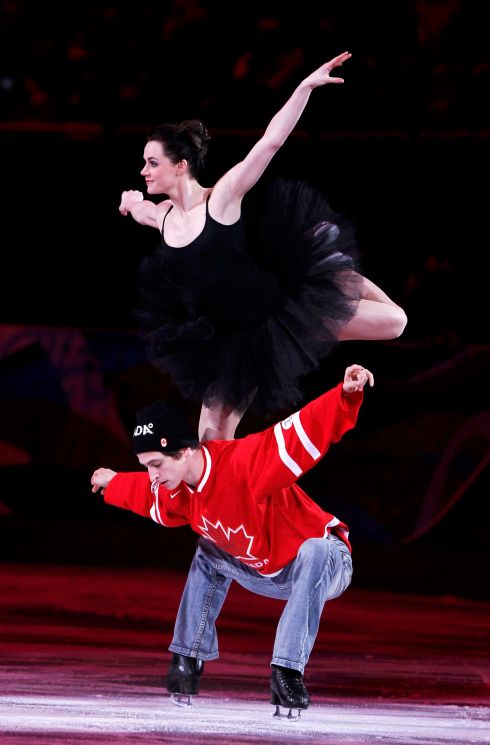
x=247, y=338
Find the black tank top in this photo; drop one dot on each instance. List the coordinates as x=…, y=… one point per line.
x=226, y=283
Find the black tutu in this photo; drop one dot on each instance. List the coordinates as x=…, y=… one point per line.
x=244, y=312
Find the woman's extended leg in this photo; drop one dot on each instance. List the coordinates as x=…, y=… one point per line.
x=377, y=317
x=218, y=422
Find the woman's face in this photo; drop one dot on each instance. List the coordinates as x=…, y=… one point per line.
x=159, y=172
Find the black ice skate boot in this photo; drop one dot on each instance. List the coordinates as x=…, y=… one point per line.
x=183, y=679
x=288, y=691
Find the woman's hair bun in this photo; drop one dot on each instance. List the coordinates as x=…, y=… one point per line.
x=198, y=133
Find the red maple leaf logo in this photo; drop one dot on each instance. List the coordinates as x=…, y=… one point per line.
x=234, y=541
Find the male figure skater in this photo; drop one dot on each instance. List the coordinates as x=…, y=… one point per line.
x=257, y=527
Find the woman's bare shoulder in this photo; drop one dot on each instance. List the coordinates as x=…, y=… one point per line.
x=164, y=205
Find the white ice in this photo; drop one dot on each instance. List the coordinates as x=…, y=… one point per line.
x=92, y=719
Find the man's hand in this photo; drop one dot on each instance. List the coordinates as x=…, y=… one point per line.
x=356, y=377
x=101, y=478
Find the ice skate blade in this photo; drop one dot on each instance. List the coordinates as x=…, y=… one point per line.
x=291, y=714
x=184, y=700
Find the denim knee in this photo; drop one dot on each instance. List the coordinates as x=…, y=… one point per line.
x=329, y=561
x=315, y=549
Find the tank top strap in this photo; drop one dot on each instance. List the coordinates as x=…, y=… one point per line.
x=165, y=217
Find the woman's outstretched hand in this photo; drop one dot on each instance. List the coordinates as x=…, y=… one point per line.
x=129, y=199
x=321, y=76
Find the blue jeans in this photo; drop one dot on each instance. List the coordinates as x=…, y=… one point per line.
x=321, y=571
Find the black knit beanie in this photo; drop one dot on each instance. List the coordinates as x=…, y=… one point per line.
x=162, y=427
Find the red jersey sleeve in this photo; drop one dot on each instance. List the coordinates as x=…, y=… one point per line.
x=279, y=455
x=134, y=492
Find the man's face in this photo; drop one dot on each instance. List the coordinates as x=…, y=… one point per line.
x=167, y=470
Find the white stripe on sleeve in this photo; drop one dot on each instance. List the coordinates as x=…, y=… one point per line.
x=305, y=440
x=283, y=453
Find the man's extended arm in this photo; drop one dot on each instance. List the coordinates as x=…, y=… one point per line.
x=278, y=456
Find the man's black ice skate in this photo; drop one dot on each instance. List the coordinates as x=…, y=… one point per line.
x=183, y=679
x=288, y=692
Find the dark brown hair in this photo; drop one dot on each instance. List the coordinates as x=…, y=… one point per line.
x=185, y=141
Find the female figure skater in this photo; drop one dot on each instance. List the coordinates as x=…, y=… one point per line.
x=238, y=311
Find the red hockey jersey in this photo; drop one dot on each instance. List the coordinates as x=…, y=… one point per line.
x=246, y=500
